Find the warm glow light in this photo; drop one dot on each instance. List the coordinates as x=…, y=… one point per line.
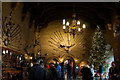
x=7, y=51
x=26, y=57
x=84, y=26
x=78, y=22
x=30, y=57
x=76, y=60
x=64, y=27
x=79, y=29
x=82, y=65
x=63, y=21
x=61, y=60
x=67, y=24
x=3, y=51
x=25, y=54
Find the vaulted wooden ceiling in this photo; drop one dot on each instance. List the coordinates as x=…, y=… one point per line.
x=94, y=13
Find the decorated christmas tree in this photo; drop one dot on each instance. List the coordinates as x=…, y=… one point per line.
x=98, y=50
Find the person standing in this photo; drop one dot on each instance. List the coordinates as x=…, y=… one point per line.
x=59, y=70
x=62, y=71
x=92, y=70
x=100, y=71
x=69, y=70
x=48, y=73
x=37, y=72
x=113, y=72
x=53, y=70
x=41, y=64
x=86, y=73
x=74, y=71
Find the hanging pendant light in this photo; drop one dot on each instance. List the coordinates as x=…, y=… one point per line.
x=75, y=27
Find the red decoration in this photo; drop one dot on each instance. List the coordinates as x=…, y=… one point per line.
x=104, y=61
x=105, y=57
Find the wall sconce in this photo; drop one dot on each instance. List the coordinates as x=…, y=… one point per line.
x=76, y=60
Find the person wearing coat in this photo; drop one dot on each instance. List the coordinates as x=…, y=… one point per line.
x=62, y=71
x=37, y=72
x=53, y=70
x=59, y=70
x=113, y=72
x=86, y=73
x=69, y=68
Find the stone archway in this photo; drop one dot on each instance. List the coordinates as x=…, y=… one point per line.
x=81, y=63
x=52, y=58
x=73, y=64
x=68, y=57
x=82, y=60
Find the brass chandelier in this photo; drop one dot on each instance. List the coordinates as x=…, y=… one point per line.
x=75, y=27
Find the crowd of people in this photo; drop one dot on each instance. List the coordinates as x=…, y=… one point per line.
x=88, y=73
x=57, y=71
x=51, y=71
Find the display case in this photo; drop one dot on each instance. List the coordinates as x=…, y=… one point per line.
x=12, y=64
